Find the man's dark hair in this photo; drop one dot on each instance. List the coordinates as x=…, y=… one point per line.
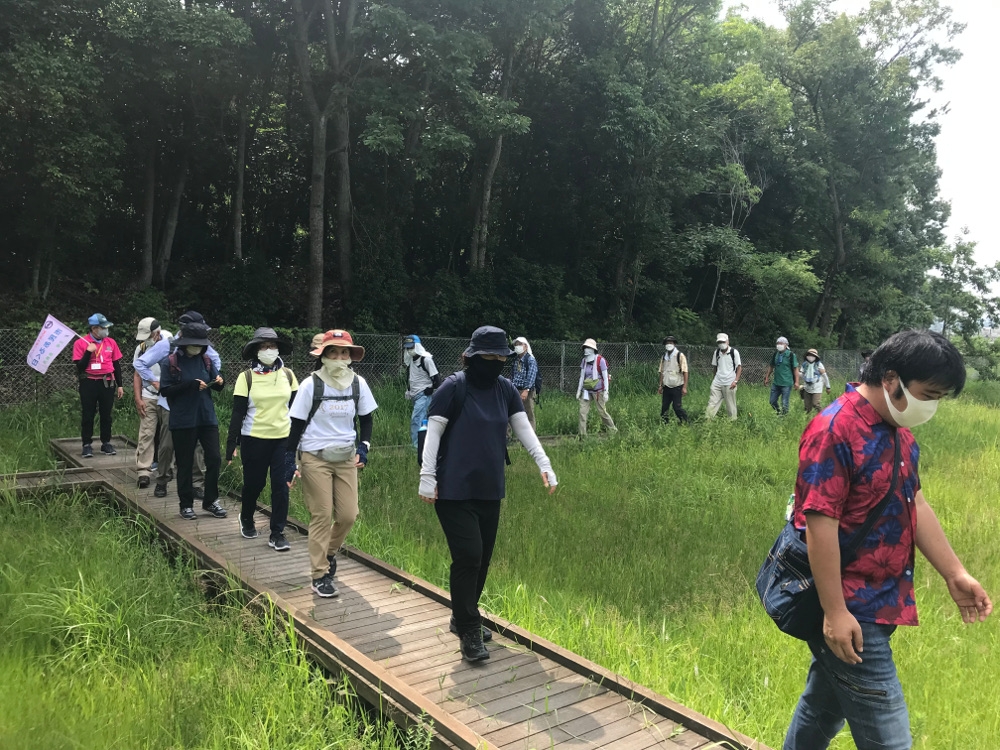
x=918, y=355
x=866, y=353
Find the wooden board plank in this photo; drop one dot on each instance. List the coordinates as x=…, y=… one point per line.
x=509, y=667
x=384, y=612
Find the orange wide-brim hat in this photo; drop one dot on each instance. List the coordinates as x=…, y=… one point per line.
x=337, y=337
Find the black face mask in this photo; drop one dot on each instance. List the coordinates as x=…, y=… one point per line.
x=482, y=373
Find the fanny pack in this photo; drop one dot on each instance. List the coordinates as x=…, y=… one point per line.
x=336, y=454
x=591, y=383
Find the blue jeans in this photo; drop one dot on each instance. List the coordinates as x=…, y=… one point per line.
x=785, y=391
x=420, y=405
x=867, y=695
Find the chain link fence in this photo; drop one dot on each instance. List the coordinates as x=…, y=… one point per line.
x=558, y=361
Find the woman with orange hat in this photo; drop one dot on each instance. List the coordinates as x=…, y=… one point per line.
x=329, y=451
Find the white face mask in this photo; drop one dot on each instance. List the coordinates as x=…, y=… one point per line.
x=519, y=349
x=723, y=345
x=810, y=359
x=267, y=356
x=917, y=412
x=780, y=347
x=192, y=351
x=670, y=347
x=102, y=333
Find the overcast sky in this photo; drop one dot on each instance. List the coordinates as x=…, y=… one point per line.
x=968, y=153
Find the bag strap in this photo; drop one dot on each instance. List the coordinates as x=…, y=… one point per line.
x=861, y=534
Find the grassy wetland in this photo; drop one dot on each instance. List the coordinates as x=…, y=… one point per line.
x=643, y=562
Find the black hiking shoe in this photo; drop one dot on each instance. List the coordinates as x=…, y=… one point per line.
x=88, y=452
x=473, y=649
x=215, y=509
x=324, y=587
x=143, y=483
x=188, y=514
x=108, y=449
x=279, y=542
x=487, y=633
x=332, y=559
x=160, y=490
x=248, y=532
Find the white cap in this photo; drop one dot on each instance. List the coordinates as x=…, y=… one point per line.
x=782, y=340
x=721, y=337
x=146, y=328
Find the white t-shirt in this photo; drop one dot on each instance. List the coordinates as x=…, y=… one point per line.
x=727, y=365
x=333, y=424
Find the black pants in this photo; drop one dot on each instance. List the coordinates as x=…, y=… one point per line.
x=673, y=396
x=470, y=526
x=94, y=394
x=184, y=445
x=259, y=455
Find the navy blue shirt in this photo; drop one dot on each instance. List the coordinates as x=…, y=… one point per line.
x=189, y=406
x=471, y=459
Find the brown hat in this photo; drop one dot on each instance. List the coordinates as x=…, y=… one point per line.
x=813, y=352
x=337, y=337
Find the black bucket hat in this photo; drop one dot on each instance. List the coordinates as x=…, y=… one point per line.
x=259, y=337
x=488, y=340
x=193, y=334
x=670, y=339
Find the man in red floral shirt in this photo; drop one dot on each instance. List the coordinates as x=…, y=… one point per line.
x=845, y=469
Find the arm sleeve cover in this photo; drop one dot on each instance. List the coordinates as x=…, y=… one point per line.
x=428, y=464
x=522, y=430
x=240, y=406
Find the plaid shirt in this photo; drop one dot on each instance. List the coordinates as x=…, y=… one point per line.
x=525, y=372
x=845, y=467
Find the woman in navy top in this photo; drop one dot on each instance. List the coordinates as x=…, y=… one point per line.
x=185, y=377
x=462, y=472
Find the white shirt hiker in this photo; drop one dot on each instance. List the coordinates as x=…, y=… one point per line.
x=333, y=424
x=726, y=365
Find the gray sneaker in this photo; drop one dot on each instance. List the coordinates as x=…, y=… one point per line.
x=324, y=587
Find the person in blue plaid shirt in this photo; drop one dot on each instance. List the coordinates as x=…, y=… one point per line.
x=525, y=373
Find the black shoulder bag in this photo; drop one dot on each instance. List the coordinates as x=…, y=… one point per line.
x=785, y=582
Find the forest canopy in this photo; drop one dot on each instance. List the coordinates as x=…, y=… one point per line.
x=611, y=168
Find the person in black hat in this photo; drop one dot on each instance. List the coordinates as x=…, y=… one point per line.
x=260, y=425
x=186, y=374
x=462, y=472
x=673, y=376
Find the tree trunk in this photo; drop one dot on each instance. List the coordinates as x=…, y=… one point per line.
x=314, y=309
x=170, y=227
x=345, y=211
x=241, y=161
x=48, y=280
x=148, y=207
x=481, y=227
x=715, y=291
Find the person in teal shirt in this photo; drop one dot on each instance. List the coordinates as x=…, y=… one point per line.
x=784, y=367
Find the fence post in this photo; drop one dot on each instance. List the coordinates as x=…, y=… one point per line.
x=626, y=355
x=562, y=368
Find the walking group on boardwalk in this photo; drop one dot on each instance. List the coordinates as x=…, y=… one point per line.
x=841, y=575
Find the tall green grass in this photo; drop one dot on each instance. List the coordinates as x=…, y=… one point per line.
x=108, y=645
x=644, y=560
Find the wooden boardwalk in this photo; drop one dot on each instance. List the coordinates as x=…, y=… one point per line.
x=388, y=633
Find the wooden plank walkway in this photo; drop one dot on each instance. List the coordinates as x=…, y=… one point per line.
x=389, y=633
